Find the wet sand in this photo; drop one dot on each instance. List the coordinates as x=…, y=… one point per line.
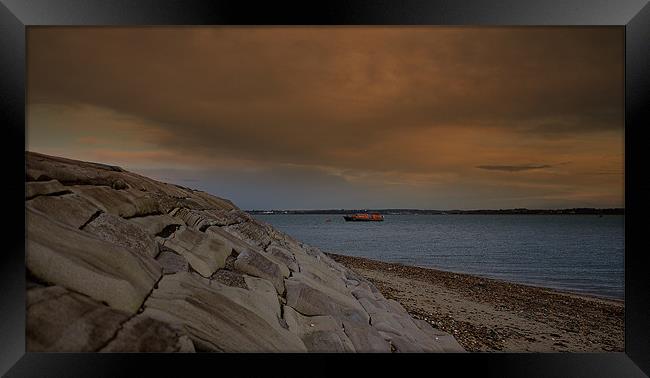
x=487, y=315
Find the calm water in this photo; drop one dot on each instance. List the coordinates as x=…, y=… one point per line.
x=579, y=253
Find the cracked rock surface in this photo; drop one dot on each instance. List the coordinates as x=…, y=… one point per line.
x=118, y=262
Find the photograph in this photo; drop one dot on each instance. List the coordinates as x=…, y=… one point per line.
x=325, y=189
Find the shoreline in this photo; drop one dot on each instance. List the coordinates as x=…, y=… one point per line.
x=584, y=295
x=491, y=315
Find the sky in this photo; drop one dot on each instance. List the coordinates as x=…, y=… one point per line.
x=341, y=117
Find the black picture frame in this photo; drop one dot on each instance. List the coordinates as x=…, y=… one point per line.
x=634, y=15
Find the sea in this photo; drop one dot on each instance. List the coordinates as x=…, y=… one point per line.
x=577, y=253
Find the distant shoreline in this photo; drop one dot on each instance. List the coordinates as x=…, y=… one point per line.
x=573, y=211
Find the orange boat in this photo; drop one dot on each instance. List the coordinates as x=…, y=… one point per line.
x=374, y=217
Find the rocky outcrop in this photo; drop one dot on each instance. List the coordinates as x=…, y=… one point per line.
x=118, y=262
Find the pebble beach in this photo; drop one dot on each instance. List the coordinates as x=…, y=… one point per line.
x=487, y=315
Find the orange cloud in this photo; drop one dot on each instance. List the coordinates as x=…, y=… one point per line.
x=401, y=107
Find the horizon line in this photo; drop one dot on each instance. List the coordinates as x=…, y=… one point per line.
x=417, y=209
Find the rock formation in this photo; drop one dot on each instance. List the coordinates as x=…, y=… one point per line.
x=117, y=262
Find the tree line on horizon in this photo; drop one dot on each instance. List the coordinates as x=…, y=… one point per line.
x=584, y=210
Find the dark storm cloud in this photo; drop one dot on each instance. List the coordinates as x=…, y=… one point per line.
x=341, y=116
x=519, y=167
x=315, y=94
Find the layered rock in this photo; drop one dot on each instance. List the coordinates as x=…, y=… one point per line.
x=66, y=321
x=220, y=318
x=118, y=262
x=80, y=261
x=319, y=333
x=204, y=253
